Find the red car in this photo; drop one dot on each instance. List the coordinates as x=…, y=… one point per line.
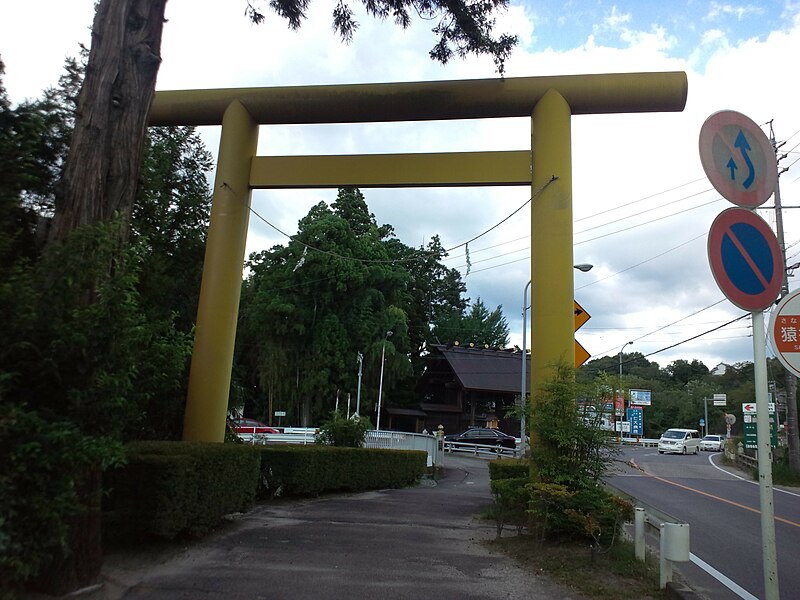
x=251, y=430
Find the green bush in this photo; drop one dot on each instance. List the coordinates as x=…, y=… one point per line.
x=172, y=488
x=511, y=499
x=506, y=469
x=312, y=470
x=588, y=513
x=44, y=468
x=339, y=431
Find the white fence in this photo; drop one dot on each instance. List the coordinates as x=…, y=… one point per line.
x=394, y=440
x=398, y=440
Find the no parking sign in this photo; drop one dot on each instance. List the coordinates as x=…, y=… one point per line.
x=745, y=259
x=784, y=332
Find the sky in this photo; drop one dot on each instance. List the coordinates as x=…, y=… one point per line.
x=642, y=203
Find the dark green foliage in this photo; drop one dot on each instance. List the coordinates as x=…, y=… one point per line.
x=172, y=488
x=511, y=499
x=339, y=431
x=567, y=450
x=569, y=456
x=44, y=463
x=506, y=469
x=335, y=290
x=312, y=470
x=477, y=326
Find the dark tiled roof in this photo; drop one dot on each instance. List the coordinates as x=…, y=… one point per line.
x=409, y=412
x=487, y=370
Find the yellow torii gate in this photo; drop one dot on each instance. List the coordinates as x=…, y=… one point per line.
x=546, y=167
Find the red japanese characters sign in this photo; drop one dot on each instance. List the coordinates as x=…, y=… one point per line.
x=784, y=332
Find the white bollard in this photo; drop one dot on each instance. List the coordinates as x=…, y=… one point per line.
x=674, y=547
x=638, y=532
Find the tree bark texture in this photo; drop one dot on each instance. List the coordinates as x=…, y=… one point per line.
x=792, y=438
x=102, y=169
x=78, y=565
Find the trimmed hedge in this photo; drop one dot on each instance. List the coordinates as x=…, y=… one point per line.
x=312, y=470
x=170, y=488
x=509, y=469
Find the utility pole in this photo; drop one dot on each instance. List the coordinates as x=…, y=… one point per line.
x=790, y=381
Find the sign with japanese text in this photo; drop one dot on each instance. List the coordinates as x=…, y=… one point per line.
x=751, y=427
x=641, y=397
x=635, y=417
x=784, y=332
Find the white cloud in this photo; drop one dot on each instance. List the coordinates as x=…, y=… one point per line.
x=650, y=269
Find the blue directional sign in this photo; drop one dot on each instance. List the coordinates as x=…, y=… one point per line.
x=745, y=259
x=635, y=417
x=738, y=158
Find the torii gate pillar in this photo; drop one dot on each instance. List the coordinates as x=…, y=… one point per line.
x=552, y=313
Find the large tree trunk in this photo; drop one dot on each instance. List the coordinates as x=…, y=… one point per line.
x=791, y=421
x=102, y=169
x=99, y=183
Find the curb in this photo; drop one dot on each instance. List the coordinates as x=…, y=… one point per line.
x=678, y=591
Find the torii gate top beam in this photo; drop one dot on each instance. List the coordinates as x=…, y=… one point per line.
x=425, y=101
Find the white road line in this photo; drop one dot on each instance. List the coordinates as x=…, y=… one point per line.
x=711, y=462
x=731, y=585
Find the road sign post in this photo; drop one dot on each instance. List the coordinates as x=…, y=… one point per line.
x=747, y=263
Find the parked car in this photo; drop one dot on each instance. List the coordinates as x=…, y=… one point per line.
x=682, y=441
x=713, y=443
x=483, y=435
x=251, y=430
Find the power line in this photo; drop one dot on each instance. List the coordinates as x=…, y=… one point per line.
x=639, y=264
x=646, y=222
x=696, y=336
x=647, y=211
x=697, y=312
x=642, y=200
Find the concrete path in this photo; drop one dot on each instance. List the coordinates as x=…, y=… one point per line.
x=423, y=542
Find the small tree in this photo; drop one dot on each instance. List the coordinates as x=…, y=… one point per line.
x=569, y=456
x=340, y=431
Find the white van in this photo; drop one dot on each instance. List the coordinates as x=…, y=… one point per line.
x=682, y=441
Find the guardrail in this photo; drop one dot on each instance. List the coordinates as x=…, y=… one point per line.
x=645, y=442
x=673, y=535
x=481, y=449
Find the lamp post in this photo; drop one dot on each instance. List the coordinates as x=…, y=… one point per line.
x=360, y=359
x=583, y=267
x=380, y=384
x=619, y=385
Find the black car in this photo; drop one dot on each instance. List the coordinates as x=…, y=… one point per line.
x=483, y=435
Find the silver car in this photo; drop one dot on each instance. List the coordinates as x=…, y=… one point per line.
x=681, y=441
x=713, y=443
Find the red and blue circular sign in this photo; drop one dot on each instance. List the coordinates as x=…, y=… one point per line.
x=745, y=258
x=738, y=158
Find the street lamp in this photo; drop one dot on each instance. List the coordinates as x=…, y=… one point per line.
x=380, y=384
x=582, y=267
x=619, y=385
x=360, y=359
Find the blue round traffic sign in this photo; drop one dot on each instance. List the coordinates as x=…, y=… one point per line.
x=745, y=259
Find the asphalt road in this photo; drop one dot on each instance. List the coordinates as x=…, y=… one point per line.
x=388, y=545
x=722, y=508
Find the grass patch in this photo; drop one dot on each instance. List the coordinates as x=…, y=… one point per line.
x=615, y=575
x=782, y=474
